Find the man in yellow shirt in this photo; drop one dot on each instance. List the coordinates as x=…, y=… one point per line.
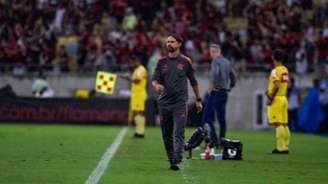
x=277, y=104
x=138, y=95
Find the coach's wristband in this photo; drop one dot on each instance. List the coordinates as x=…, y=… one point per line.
x=199, y=99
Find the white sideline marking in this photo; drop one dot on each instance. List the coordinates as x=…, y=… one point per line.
x=188, y=179
x=107, y=156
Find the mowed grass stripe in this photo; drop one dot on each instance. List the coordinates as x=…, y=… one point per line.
x=141, y=161
x=51, y=153
x=68, y=154
x=144, y=161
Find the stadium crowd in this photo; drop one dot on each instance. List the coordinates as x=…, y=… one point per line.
x=84, y=35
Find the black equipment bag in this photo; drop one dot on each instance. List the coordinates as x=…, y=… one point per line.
x=200, y=134
x=196, y=139
x=231, y=149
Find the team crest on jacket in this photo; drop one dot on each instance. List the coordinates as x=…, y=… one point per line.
x=180, y=66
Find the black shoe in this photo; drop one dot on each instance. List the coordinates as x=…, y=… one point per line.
x=136, y=135
x=174, y=167
x=275, y=151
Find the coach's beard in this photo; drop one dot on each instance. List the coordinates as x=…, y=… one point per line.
x=171, y=49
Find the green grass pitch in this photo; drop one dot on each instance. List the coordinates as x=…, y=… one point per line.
x=69, y=153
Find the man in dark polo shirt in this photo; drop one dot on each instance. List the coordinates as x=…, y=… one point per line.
x=170, y=82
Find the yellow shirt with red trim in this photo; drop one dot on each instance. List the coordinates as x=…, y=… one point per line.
x=279, y=74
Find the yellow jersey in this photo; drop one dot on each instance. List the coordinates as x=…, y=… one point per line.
x=139, y=73
x=280, y=74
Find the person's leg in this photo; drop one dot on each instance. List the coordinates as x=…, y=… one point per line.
x=208, y=117
x=166, y=122
x=140, y=123
x=221, y=101
x=134, y=113
x=284, y=121
x=292, y=120
x=276, y=117
x=295, y=120
x=180, y=119
x=287, y=136
x=140, y=117
x=278, y=114
x=325, y=122
x=280, y=138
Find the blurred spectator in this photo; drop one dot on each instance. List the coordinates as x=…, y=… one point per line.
x=106, y=59
x=34, y=32
x=130, y=20
x=7, y=91
x=41, y=88
x=322, y=56
x=301, y=61
x=294, y=101
x=324, y=102
x=311, y=114
x=61, y=59
x=325, y=30
x=157, y=54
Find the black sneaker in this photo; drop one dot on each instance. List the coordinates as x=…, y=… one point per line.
x=139, y=135
x=174, y=167
x=275, y=151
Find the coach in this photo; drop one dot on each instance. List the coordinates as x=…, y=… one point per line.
x=170, y=81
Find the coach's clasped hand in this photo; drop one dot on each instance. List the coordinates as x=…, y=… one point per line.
x=199, y=106
x=159, y=88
